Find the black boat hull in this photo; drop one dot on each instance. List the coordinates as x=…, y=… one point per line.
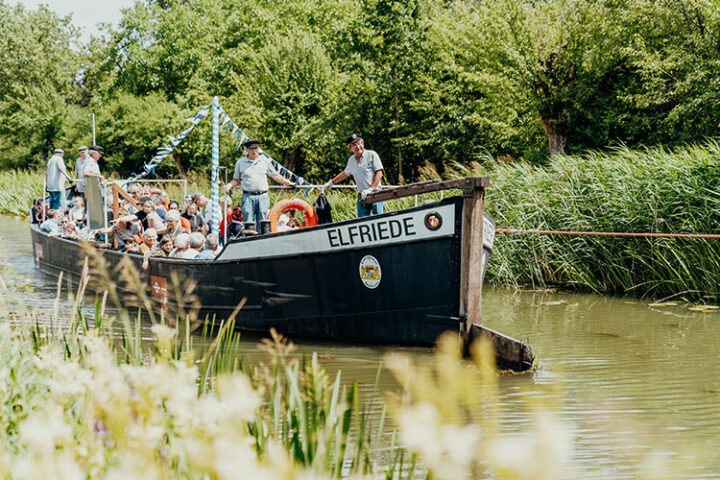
x=340, y=282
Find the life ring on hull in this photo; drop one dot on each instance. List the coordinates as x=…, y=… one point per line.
x=302, y=206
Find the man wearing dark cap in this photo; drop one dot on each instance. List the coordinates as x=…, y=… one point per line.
x=252, y=171
x=367, y=171
x=55, y=179
x=92, y=169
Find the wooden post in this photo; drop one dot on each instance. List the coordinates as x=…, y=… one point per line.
x=472, y=255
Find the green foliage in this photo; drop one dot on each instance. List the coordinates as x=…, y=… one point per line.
x=675, y=50
x=17, y=190
x=39, y=71
x=424, y=81
x=133, y=127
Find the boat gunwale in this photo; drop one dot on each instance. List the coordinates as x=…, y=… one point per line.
x=256, y=238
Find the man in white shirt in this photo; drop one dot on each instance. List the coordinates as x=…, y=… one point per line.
x=252, y=171
x=55, y=180
x=367, y=171
x=92, y=169
x=80, y=169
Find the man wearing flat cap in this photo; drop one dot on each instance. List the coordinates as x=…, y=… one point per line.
x=367, y=171
x=251, y=171
x=92, y=169
x=55, y=176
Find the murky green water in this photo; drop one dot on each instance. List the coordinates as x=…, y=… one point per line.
x=636, y=385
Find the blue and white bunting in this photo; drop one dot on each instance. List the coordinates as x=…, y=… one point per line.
x=221, y=120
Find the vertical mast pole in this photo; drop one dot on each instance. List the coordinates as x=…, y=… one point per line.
x=214, y=201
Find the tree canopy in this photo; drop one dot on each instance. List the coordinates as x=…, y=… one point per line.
x=424, y=82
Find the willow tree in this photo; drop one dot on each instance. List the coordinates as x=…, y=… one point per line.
x=553, y=53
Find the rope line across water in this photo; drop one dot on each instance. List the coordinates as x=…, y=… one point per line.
x=608, y=234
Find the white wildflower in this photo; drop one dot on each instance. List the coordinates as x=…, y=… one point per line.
x=447, y=449
x=135, y=465
x=56, y=464
x=43, y=431
x=545, y=451
x=238, y=399
x=165, y=337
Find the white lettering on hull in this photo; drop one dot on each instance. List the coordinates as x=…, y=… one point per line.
x=371, y=232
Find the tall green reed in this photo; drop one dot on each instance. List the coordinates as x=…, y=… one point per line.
x=653, y=190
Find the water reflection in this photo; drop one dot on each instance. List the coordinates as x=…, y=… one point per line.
x=634, y=382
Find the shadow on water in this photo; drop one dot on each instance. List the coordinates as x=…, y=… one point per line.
x=632, y=381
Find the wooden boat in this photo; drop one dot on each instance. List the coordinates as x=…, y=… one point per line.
x=403, y=277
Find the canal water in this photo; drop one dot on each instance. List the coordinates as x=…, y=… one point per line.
x=637, y=385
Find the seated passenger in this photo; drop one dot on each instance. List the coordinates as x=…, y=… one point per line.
x=36, y=211
x=196, y=220
x=173, y=225
x=164, y=200
x=182, y=244
x=124, y=231
x=70, y=229
x=287, y=221
x=154, y=221
x=197, y=242
x=165, y=248
x=211, y=247
x=77, y=212
x=150, y=239
x=52, y=222
x=184, y=222
x=136, y=192
x=237, y=227
x=146, y=208
x=159, y=206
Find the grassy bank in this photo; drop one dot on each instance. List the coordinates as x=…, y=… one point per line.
x=626, y=190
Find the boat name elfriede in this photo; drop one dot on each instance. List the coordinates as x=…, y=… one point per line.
x=373, y=232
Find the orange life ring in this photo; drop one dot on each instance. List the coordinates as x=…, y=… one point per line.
x=302, y=206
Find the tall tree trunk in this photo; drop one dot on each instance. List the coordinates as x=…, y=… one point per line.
x=178, y=163
x=290, y=159
x=556, y=140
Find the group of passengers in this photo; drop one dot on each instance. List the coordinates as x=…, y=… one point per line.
x=152, y=225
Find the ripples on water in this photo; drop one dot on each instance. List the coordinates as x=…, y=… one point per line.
x=635, y=384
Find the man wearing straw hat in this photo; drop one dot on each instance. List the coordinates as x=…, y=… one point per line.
x=252, y=171
x=55, y=179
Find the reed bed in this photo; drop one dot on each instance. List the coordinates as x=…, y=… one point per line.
x=653, y=190
x=18, y=188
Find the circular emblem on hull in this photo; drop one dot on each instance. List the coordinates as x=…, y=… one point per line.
x=370, y=272
x=433, y=221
